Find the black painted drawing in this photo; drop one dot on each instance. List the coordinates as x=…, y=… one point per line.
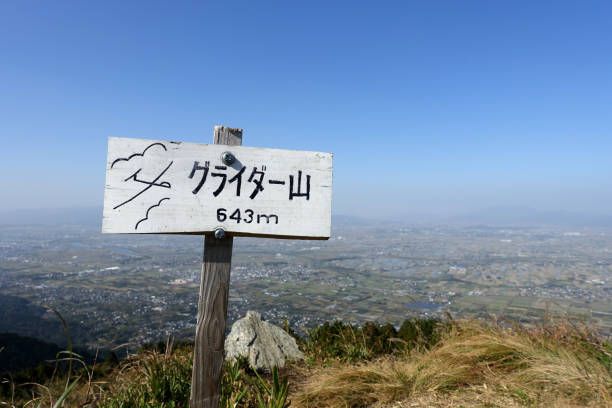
x=154, y=183
x=149, y=209
x=120, y=159
x=149, y=184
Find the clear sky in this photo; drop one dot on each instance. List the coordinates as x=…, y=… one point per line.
x=428, y=107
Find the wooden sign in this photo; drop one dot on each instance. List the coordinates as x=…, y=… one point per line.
x=157, y=186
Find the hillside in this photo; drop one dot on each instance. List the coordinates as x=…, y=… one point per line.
x=17, y=352
x=424, y=363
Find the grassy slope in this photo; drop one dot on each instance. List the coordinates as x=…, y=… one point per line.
x=472, y=364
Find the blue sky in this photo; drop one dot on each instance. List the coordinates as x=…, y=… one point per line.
x=429, y=107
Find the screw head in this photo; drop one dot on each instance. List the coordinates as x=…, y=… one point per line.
x=219, y=233
x=228, y=158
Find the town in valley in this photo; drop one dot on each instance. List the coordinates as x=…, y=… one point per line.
x=132, y=290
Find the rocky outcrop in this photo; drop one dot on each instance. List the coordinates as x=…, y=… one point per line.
x=263, y=344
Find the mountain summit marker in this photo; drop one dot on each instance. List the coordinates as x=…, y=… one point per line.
x=156, y=186
x=221, y=191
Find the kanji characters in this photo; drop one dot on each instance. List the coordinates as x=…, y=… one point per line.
x=257, y=175
x=299, y=192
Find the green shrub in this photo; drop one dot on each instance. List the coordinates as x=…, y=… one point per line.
x=272, y=395
x=152, y=380
x=346, y=342
x=233, y=389
x=420, y=332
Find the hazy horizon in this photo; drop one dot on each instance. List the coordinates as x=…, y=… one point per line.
x=493, y=216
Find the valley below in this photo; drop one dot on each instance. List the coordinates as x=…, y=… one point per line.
x=128, y=290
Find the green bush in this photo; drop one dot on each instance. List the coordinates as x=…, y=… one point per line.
x=420, y=332
x=161, y=383
x=347, y=342
x=272, y=395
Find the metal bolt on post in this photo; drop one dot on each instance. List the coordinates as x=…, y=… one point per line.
x=219, y=233
x=228, y=158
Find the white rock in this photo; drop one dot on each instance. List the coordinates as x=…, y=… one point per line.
x=264, y=344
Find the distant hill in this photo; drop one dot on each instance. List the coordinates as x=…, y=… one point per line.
x=19, y=352
x=339, y=220
x=529, y=217
x=92, y=216
x=18, y=315
x=494, y=216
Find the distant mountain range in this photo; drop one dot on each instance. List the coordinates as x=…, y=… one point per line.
x=523, y=216
x=496, y=216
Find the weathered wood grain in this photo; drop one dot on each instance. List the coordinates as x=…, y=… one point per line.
x=155, y=186
x=212, y=307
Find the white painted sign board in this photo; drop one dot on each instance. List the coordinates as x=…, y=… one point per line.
x=157, y=186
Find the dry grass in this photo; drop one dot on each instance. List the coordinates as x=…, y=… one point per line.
x=140, y=378
x=474, y=365
x=149, y=379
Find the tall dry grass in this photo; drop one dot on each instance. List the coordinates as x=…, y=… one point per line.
x=560, y=365
x=470, y=364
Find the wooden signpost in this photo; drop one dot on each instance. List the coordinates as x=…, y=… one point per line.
x=220, y=190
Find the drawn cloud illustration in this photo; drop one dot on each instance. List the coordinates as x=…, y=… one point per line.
x=150, y=208
x=120, y=159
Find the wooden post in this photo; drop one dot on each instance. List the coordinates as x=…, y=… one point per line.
x=212, y=306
